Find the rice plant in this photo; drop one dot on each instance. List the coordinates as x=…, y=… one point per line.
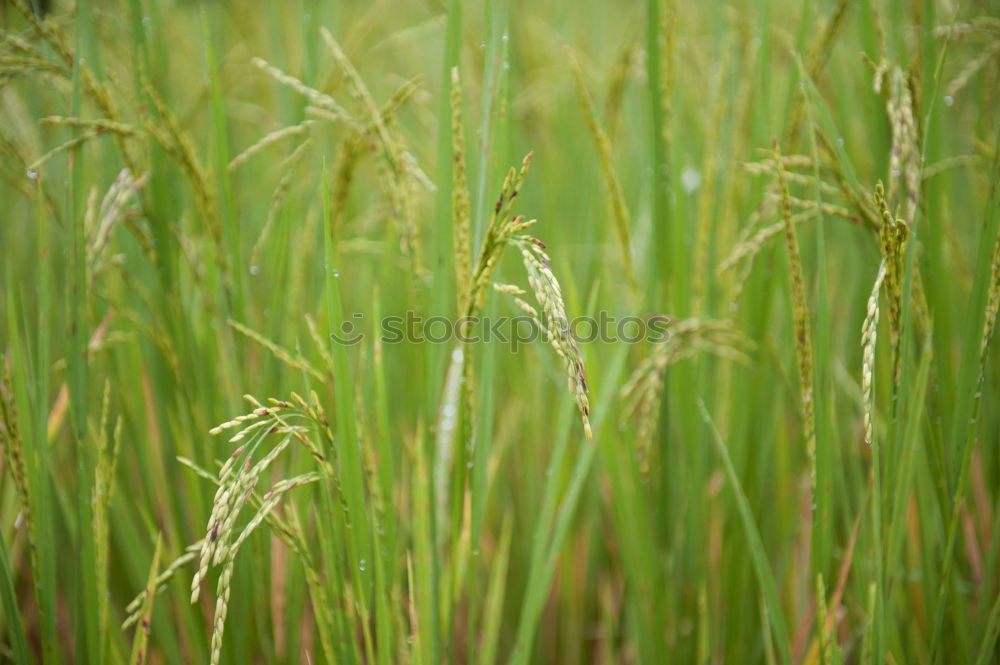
x=500, y=332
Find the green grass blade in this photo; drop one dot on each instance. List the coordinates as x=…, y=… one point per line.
x=762, y=569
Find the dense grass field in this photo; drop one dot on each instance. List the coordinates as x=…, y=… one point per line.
x=292, y=375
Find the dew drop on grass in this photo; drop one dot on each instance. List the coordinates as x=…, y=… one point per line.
x=361, y=565
x=840, y=141
x=254, y=270
x=33, y=174
x=949, y=100
x=690, y=179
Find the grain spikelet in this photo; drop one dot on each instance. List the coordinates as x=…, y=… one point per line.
x=498, y=233
x=140, y=640
x=177, y=144
x=904, y=156
x=74, y=142
x=102, y=124
x=973, y=67
x=295, y=361
x=613, y=188
x=270, y=139
x=892, y=239
x=287, y=168
x=869, y=333
x=99, y=92
x=748, y=248
x=620, y=73
x=354, y=146
x=112, y=209
x=800, y=321
x=554, y=321
x=399, y=185
x=642, y=392
x=317, y=98
x=460, y=206
x=134, y=608
x=504, y=231
x=15, y=459
x=221, y=609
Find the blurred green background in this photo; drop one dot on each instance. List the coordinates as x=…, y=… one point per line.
x=696, y=526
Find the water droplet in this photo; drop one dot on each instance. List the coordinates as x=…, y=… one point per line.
x=690, y=179
x=254, y=270
x=336, y=273
x=505, y=37
x=469, y=465
x=895, y=173
x=482, y=45
x=146, y=20
x=840, y=141
x=33, y=174
x=457, y=355
x=361, y=565
x=949, y=100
